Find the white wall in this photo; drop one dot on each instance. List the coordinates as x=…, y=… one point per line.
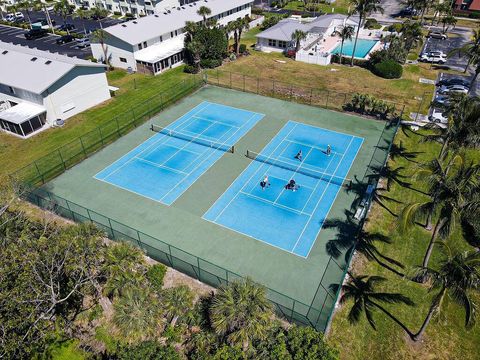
x=262, y=45
x=79, y=90
x=313, y=59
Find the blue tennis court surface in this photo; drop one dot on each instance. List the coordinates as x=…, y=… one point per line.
x=287, y=219
x=163, y=167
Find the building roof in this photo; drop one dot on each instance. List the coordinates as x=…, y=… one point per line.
x=286, y=27
x=152, y=26
x=35, y=70
x=474, y=5
x=160, y=51
x=22, y=112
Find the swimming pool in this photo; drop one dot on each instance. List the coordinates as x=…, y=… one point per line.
x=363, y=47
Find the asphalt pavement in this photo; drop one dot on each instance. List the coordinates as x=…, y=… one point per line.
x=17, y=36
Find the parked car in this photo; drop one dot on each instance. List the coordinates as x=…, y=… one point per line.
x=436, y=57
x=35, y=34
x=437, y=35
x=44, y=23
x=438, y=116
x=408, y=11
x=65, y=39
x=454, y=81
x=453, y=89
x=66, y=27
x=442, y=100
x=83, y=42
x=10, y=17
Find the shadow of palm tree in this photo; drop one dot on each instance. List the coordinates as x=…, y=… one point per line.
x=349, y=238
x=400, y=151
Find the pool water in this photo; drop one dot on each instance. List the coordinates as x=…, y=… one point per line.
x=363, y=47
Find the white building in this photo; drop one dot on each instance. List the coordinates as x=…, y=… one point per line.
x=155, y=43
x=134, y=7
x=321, y=37
x=38, y=87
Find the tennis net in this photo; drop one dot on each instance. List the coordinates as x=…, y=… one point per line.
x=337, y=180
x=194, y=139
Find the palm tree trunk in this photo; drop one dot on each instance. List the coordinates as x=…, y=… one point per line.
x=341, y=52
x=443, y=149
x=398, y=322
x=356, y=38
x=472, y=84
x=437, y=300
x=438, y=226
x=237, y=49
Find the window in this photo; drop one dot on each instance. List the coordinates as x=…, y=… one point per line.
x=272, y=42
x=11, y=89
x=144, y=44
x=282, y=44
x=123, y=60
x=140, y=46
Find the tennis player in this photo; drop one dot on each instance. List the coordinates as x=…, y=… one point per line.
x=329, y=150
x=299, y=155
x=292, y=185
x=264, y=183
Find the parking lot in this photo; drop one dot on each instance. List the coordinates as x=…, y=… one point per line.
x=456, y=39
x=17, y=36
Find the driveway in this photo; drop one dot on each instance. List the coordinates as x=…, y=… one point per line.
x=17, y=36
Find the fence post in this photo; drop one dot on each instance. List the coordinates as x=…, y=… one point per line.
x=291, y=92
x=273, y=87
x=83, y=147
x=101, y=136
x=258, y=83
x=230, y=79
x=326, y=102
x=61, y=158
x=311, y=95
x=243, y=83
x=38, y=171
x=111, y=228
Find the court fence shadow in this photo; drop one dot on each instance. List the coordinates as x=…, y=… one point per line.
x=32, y=180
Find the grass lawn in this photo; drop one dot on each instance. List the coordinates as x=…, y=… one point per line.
x=343, y=79
x=339, y=6
x=446, y=337
x=16, y=153
x=67, y=350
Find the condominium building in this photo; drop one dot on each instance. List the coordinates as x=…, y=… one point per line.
x=155, y=43
x=37, y=88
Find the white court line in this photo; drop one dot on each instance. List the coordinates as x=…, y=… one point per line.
x=164, y=139
x=160, y=166
x=255, y=173
x=331, y=204
x=233, y=107
x=298, y=167
x=130, y=190
x=288, y=208
x=218, y=122
x=311, y=146
x=206, y=158
x=318, y=183
x=320, y=199
x=316, y=127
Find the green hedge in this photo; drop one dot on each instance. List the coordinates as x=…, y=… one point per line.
x=388, y=69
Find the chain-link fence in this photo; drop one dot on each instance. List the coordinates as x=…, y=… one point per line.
x=316, y=314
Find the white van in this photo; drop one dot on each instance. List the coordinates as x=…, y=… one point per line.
x=83, y=42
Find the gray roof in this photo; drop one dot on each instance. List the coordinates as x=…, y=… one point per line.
x=152, y=26
x=286, y=27
x=34, y=70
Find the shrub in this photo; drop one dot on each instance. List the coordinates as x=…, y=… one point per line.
x=372, y=24
x=270, y=21
x=243, y=48
x=347, y=60
x=117, y=13
x=388, y=69
x=210, y=63
x=155, y=275
x=397, y=27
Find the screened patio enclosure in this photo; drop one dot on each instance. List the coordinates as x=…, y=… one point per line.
x=21, y=118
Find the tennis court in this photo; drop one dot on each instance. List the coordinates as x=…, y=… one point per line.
x=168, y=163
x=289, y=219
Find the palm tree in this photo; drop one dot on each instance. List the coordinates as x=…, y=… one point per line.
x=82, y=15
x=137, y=315
x=190, y=29
x=195, y=48
x=448, y=21
x=63, y=8
x=463, y=131
x=204, y=12
x=241, y=312
x=363, y=8
x=177, y=301
x=346, y=33
x=119, y=280
x=240, y=24
x=453, y=190
x=2, y=4
x=458, y=276
x=27, y=6
x=297, y=37
x=101, y=36
x=470, y=50
x=361, y=289
x=411, y=33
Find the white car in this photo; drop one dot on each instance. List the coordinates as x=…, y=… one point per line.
x=437, y=35
x=19, y=16
x=436, y=57
x=83, y=42
x=437, y=116
x=10, y=17
x=453, y=89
